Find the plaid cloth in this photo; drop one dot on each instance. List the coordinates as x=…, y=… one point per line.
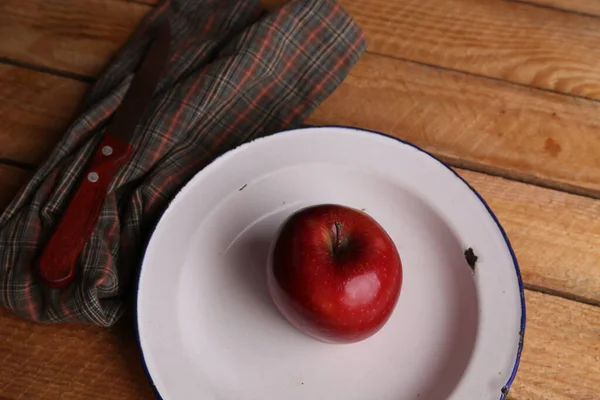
x=235, y=72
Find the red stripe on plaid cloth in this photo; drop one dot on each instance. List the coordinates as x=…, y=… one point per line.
x=301, y=49
x=319, y=87
x=245, y=78
x=236, y=72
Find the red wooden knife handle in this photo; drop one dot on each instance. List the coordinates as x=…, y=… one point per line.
x=57, y=263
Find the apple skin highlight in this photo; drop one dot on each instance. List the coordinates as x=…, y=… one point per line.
x=334, y=273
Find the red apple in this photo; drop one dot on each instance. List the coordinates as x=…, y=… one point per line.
x=334, y=273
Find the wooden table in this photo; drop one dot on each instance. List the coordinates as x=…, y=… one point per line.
x=507, y=92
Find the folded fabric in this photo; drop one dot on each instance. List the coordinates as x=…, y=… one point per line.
x=234, y=72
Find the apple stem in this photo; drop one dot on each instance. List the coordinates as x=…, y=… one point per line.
x=337, y=246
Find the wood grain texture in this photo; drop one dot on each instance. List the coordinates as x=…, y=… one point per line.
x=11, y=180
x=74, y=36
x=555, y=235
x=484, y=124
x=68, y=35
x=591, y=7
x=69, y=362
x=561, y=357
x=505, y=40
x=470, y=121
x=35, y=110
x=561, y=360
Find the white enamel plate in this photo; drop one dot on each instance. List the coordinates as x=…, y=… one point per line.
x=209, y=330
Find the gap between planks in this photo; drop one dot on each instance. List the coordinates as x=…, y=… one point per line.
x=17, y=164
x=519, y=177
x=455, y=161
x=502, y=134
x=90, y=79
x=562, y=295
x=587, y=8
x=480, y=76
x=47, y=70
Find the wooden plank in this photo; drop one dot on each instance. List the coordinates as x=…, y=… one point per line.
x=74, y=36
x=68, y=35
x=11, y=180
x=561, y=357
x=555, y=235
x=560, y=360
x=591, y=7
x=484, y=124
x=35, y=109
x=505, y=40
x=69, y=362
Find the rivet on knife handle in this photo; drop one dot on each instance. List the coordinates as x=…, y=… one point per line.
x=57, y=264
